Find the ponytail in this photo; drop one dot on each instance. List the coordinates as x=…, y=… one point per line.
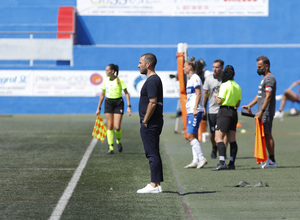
x=117, y=73
x=116, y=69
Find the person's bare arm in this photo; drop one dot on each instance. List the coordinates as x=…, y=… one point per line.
x=128, y=102
x=205, y=97
x=101, y=98
x=251, y=104
x=198, y=98
x=265, y=104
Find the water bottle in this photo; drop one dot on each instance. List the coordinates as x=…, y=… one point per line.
x=194, y=122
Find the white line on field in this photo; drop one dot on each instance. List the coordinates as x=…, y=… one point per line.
x=64, y=199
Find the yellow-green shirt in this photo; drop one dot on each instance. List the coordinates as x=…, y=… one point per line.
x=230, y=92
x=112, y=89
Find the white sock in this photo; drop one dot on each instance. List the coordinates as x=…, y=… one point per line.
x=197, y=151
x=195, y=156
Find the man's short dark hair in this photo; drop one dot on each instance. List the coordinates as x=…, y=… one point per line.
x=151, y=58
x=264, y=59
x=219, y=61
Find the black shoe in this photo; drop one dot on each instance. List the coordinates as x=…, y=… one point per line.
x=231, y=166
x=213, y=155
x=220, y=167
x=120, y=147
x=110, y=152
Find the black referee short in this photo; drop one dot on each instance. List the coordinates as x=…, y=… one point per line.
x=227, y=119
x=115, y=106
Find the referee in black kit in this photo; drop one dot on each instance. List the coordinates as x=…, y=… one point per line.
x=151, y=118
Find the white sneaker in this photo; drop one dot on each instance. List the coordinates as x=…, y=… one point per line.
x=202, y=163
x=150, y=189
x=278, y=97
x=261, y=165
x=278, y=114
x=191, y=165
x=269, y=164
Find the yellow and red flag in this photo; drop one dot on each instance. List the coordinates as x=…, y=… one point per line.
x=100, y=129
x=260, y=151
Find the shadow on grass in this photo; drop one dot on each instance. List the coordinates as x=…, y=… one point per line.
x=284, y=167
x=245, y=158
x=189, y=193
x=257, y=168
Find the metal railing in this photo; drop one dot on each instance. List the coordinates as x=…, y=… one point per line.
x=31, y=33
x=36, y=48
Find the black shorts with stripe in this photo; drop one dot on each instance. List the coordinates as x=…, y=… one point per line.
x=227, y=119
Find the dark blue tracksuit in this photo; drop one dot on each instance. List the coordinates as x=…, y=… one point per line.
x=150, y=135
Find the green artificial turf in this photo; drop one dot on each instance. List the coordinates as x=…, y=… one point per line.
x=40, y=153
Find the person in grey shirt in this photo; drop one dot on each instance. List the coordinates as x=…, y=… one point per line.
x=265, y=101
x=211, y=86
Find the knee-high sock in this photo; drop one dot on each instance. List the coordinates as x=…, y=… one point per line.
x=233, y=151
x=110, y=138
x=118, y=135
x=222, y=151
x=197, y=151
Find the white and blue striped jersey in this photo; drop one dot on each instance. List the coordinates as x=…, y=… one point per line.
x=193, y=83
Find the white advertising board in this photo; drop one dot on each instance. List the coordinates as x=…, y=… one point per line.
x=218, y=8
x=74, y=83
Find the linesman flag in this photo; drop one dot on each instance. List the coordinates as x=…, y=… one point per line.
x=100, y=129
x=260, y=143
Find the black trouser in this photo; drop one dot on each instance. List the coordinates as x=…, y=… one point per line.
x=150, y=138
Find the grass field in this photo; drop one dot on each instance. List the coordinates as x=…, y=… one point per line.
x=40, y=153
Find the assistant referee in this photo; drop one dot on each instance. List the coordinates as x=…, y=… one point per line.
x=229, y=99
x=114, y=105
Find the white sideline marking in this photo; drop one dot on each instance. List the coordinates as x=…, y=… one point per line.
x=64, y=199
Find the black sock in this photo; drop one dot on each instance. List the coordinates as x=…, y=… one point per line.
x=272, y=157
x=221, y=148
x=233, y=150
x=222, y=151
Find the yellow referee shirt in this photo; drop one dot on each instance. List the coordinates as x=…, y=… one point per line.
x=112, y=89
x=230, y=92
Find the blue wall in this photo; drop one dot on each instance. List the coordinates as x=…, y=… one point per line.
x=102, y=40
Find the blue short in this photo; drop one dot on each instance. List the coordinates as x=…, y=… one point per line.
x=191, y=127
